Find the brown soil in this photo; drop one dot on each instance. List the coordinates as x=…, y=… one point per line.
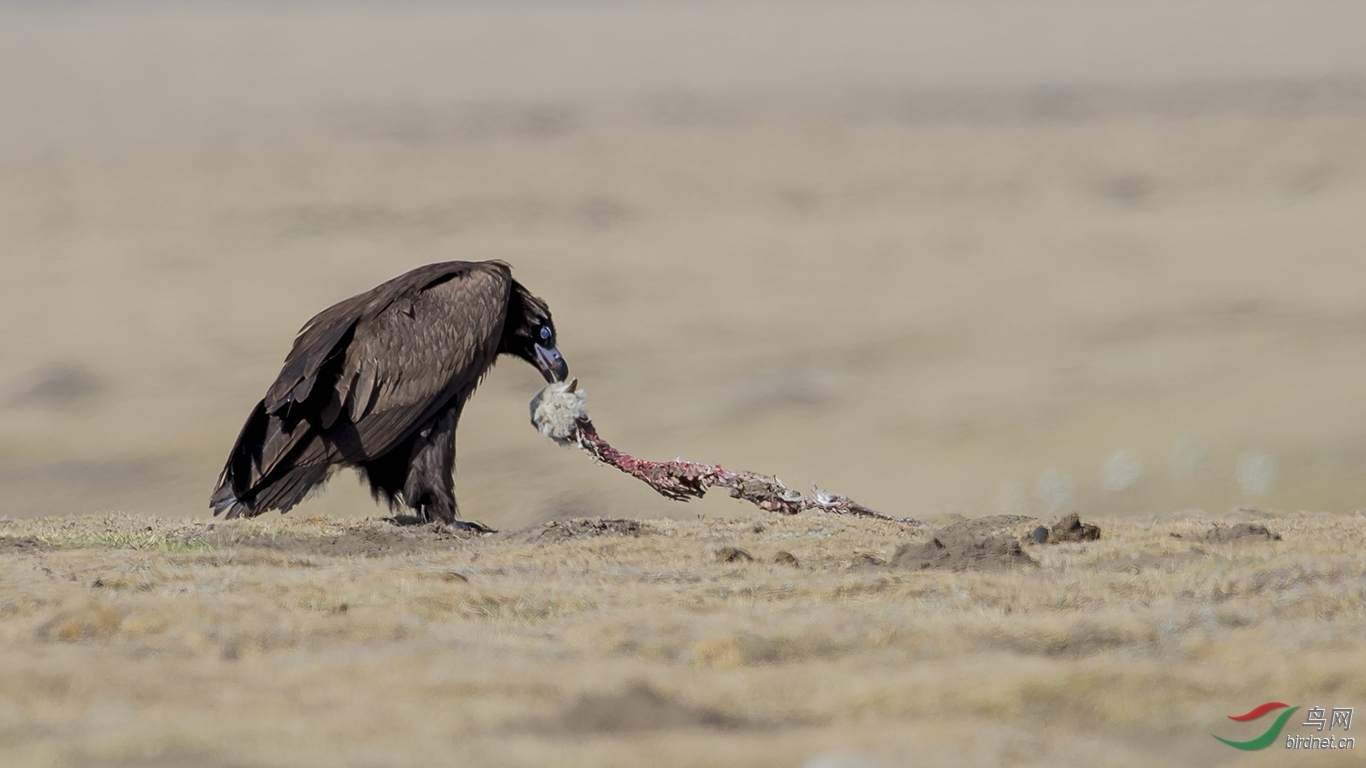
x=559, y=531
x=361, y=543
x=639, y=708
x=9, y=545
x=982, y=544
x=381, y=542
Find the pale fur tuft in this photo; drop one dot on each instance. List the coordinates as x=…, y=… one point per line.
x=554, y=409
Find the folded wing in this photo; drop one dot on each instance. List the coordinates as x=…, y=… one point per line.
x=362, y=376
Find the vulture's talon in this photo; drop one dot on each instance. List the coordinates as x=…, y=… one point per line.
x=463, y=526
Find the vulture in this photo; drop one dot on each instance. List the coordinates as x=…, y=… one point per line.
x=377, y=382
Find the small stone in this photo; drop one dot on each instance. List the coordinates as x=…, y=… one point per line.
x=787, y=558
x=454, y=577
x=1040, y=535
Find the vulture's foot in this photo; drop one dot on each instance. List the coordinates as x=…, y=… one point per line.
x=465, y=526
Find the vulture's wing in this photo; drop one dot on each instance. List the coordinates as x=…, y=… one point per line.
x=367, y=372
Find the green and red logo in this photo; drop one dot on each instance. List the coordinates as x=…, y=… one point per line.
x=1266, y=739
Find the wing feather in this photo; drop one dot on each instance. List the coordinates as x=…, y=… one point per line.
x=365, y=373
x=362, y=392
x=411, y=360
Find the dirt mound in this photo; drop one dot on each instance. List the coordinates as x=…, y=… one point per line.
x=1239, y=532
x=11, y=546
x=971, y=545
x=559, y=531
x=638, y=708
x=1071, y=528
x=367, y=542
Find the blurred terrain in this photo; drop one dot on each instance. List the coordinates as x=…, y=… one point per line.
x=968, y=257
x=301, y=642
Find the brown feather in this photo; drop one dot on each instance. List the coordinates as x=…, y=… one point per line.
x=364, y=374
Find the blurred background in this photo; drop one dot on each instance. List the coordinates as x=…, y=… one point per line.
x=945, y=257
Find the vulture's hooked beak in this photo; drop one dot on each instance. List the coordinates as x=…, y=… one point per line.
x=553, y=367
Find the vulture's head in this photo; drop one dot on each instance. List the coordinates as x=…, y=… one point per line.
x=529, y=333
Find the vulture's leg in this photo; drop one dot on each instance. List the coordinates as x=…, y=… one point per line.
x=419, y=472
x=411, y=473
x=429, y=487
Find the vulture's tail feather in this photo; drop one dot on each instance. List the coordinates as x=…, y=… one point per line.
x=281, y=491
x=243, y=491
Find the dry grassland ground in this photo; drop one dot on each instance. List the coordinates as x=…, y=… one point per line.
x=949, y=258
x=317, y=642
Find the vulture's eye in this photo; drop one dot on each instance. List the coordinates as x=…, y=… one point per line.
x=545, y=332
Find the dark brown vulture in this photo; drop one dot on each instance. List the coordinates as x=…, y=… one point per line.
x=377, y=382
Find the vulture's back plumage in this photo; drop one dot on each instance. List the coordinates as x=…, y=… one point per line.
x=378, y=381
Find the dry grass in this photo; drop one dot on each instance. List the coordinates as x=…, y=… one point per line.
x=324, y=642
